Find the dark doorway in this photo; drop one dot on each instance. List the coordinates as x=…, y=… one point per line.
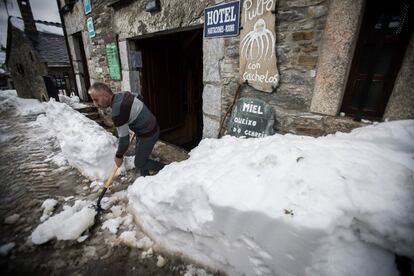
x=51, y=88
x=81, y=57
x=385, y=32
x=172, y=84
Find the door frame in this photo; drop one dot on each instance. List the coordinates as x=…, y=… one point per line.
x=394, y=68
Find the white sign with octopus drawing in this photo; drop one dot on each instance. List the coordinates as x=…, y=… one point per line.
x=257, y=45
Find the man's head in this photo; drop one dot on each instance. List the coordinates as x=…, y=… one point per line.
x=101, y=94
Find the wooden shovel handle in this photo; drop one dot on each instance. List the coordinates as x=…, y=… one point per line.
x=115, y=168
x=111, y=177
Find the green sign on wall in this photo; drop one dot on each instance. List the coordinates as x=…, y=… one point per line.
x=91, y=28
x=113, y=61
x=87, y=6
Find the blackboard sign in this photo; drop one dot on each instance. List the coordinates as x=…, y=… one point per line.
x=222, y=20
x=251, y=118
x=113, y=61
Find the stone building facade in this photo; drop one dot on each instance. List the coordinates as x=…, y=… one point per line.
x=37, y=57
x=316, y=41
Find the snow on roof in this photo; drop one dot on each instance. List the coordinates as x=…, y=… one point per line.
x=52, y=48
x=42, y=26
x=49, y=41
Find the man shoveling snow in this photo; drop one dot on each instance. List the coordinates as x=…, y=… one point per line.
x=129, y=113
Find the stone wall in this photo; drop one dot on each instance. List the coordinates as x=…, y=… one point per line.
x=299, y=30
x=75, y=20
x=123, y=21
x=105, y=33
x=95, y=48
x=28, y=84
x=300, y=38
x=132, y=20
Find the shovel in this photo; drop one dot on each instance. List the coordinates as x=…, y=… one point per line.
x=108, y=183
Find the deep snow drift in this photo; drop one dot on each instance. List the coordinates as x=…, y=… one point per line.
x=288, y=205
x=86, y=145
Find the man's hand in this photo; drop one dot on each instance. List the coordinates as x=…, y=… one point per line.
x=118, y=161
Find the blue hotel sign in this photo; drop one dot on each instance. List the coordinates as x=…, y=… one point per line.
x=222, y=20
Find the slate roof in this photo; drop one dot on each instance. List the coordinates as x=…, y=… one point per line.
x=49, y=41
x=51, y=47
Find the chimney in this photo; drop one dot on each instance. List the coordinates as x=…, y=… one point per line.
x=27, y=15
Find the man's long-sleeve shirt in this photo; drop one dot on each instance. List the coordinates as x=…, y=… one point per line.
x=128, y=112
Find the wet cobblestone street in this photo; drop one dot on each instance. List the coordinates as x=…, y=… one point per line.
x=28, y=176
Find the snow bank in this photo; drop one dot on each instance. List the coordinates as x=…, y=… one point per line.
x=288, y=205
x=86, y=145
x=10, y=101
x=67, y=225
x=48, y=206
x=72, y=101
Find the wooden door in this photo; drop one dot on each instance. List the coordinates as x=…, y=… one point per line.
x=385, y=32
x=172, y=84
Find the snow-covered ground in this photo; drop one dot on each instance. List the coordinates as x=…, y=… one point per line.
x=280, y=205
x=9, y=100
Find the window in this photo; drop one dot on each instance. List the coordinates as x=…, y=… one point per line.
x=59, y=81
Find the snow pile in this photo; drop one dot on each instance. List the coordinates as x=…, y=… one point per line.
x=58, y=159
x=10, y=101
x=288, y=205
x=112, y=224
x=67, y=225
x=86, y=145
x=128, y=238
x=194, y=271
x=48, y=206
x=72, y=101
